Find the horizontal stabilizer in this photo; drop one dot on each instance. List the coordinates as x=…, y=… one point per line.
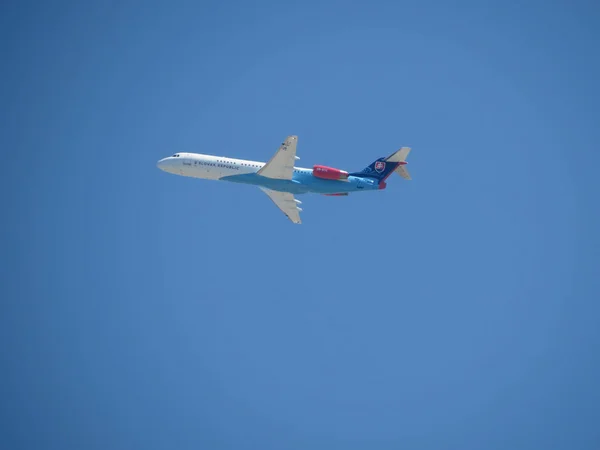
x=400, y=157
x=401, y=170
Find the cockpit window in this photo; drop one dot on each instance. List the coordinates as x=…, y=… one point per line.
x=176, y=155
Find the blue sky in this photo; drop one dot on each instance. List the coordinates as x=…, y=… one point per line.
x=145, y=310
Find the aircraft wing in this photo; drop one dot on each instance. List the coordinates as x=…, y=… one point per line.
x=285, y=202
x=281, y=165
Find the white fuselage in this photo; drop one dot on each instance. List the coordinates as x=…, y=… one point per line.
x=212, y=167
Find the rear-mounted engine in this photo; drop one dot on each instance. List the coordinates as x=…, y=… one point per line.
x=329, y=173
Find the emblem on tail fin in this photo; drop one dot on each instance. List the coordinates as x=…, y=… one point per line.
x=379, y=166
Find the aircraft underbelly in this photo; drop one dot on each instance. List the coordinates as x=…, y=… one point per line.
x=301, y=185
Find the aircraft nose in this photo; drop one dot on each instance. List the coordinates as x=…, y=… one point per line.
x=162, y=164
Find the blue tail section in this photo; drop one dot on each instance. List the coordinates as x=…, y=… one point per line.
x=379, y=169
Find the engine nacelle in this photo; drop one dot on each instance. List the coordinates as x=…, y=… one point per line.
x=329, y=173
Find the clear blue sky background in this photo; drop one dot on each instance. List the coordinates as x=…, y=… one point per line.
x=144, y=310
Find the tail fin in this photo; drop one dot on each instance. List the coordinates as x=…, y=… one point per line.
x=382, y=167
x=379, y=169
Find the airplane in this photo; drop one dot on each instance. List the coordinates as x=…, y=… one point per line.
x=281, y=180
